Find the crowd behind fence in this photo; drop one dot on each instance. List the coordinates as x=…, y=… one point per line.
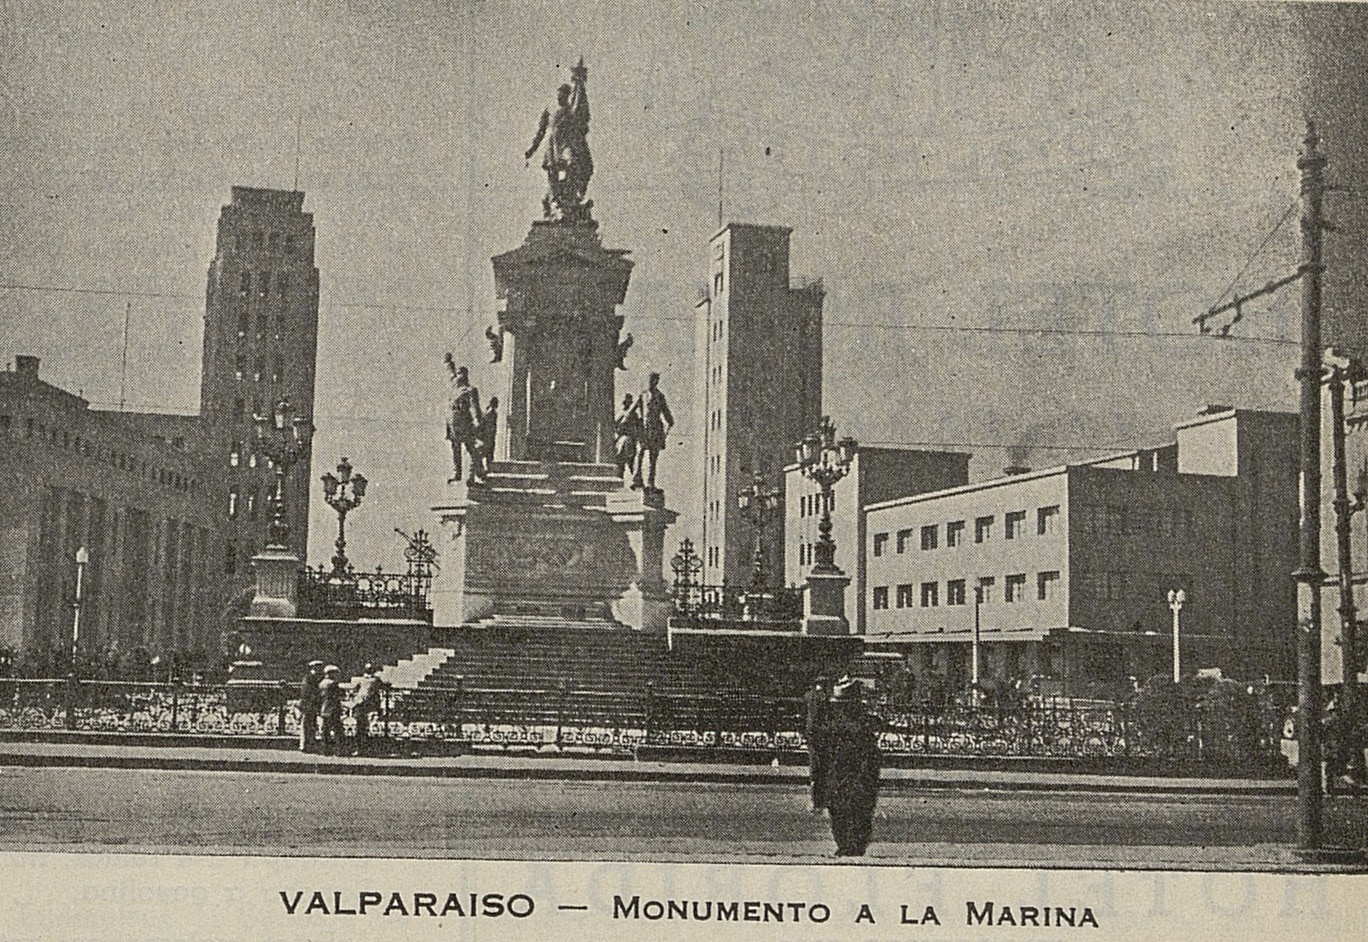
x=583, y=720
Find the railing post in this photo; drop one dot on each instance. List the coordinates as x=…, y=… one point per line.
x=73, y=693
x=280, y=712
x=560, y=710
x=926, y=727
x=717, y=722
x=774, y=727
x=175, y=702
x=1030, y=729
x=649, y=715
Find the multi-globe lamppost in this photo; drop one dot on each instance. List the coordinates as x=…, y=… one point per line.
x=343, y=492
x=824, y=460
x=284, y=438
x=758, y=503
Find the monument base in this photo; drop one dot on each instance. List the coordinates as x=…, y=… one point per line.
x=277, y=583
x=824, y=604
x=551, y=539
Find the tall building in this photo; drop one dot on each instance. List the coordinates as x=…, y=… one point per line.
x=260, y=345
x=759, y=385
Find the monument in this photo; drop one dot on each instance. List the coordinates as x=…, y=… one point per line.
x=548, y=527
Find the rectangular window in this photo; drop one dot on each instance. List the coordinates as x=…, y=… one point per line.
x=954, y=533
x=1014, y=524
x=1015, y=586
x=1047, y=585
x=983, y=529
x=880, y=596
x=1046, y=518
x=954, y=592
x=904, y=537
x=233, y=504
x=930, y=594
x=1114, y=586
x=903, y=598
x=880, y=543
x=264, y=284
x=930, y=537
x=983, y=591
x=245, y=284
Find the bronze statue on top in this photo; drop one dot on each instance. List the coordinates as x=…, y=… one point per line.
x=565, y=157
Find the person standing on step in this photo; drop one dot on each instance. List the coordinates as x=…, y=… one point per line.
x=309, y=703
x=330, y=709
x=853, y=774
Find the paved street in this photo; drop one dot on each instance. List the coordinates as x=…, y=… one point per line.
x=328, y=814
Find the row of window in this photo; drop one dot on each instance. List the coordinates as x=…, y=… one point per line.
x=242, y=502
x=1110, y=521
x=260, y=239
x=1015, y=588
x=122, y=460
x=1014, y=528
x=810, y=505
x=245, y=324
x=257, y=374
x=263, y=285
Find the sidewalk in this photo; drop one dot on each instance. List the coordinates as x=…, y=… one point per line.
x=227, y=758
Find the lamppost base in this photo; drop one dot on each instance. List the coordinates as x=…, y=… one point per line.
x=824, y=603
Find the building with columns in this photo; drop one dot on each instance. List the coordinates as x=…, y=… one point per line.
x=758, y=350
x=128, y=487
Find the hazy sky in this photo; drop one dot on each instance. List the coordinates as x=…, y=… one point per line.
x=1090, y=170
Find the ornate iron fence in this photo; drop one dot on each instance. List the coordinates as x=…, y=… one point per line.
x=582, y=720
x=326, y=593
x=701, y=606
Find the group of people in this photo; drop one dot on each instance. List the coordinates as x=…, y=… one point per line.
x=323, y=695
x=470, y=427
x=843, y=761
x=641, y=428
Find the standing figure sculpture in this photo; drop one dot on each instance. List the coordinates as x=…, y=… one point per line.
x=463, y=422
x=627, y=429
x=565, y=157
x=656, y=421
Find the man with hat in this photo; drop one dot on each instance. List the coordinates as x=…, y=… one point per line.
x=309, y=703
x=852, y=777
x=365, y=702
x=330, y=709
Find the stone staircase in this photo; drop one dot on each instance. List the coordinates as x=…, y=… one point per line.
x=583, y=485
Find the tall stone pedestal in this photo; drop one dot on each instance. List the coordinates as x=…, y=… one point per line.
x=551, y=539
x=277, y=583
x=824, y=604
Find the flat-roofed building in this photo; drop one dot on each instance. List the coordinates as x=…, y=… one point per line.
x=1067, y=570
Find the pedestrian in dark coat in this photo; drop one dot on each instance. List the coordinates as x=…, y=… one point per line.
x=853, y=772
x=817, y=703
x=365, y=703
x=309, y=703
x=330, y=710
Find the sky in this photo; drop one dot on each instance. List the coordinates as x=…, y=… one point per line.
x=1017, y=209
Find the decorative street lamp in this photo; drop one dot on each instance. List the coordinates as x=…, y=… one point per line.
x=343, y=492
x=758, y=503
x=82, y=560
x=284, y=439
x=1176, y=598
x=824, y=461
x=687, y=564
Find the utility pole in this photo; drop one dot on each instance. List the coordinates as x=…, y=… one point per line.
x=1344, y=511
x=1310, y=578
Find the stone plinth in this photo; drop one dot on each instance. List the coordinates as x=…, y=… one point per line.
x=824, y=603
x=558, y=295
x=277, y=583
x=551, y=538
